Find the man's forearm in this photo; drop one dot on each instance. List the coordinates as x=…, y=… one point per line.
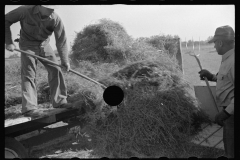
x=8, y=33
x=63, y=53
x=61, y=42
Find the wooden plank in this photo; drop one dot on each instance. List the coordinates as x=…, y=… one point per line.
x=48, y=135
x=56, y=115
x=213, y=140
x=23, y=119
x=11, y=122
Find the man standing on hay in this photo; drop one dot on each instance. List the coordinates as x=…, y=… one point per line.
x=224, y=40
x=38, y=22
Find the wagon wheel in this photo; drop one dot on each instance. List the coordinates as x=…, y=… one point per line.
x=14, y=149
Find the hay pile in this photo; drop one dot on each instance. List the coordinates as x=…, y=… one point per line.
x=105, y=41
x=108, y=42
x=158, y=116
x=168, y=44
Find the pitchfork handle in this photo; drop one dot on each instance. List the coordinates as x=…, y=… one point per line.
x=70, y=70
x=208, y=86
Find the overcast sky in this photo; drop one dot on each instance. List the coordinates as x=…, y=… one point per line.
x=186, y=21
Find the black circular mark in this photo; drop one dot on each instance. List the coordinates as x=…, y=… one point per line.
x=113, y=95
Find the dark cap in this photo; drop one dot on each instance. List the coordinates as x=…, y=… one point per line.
x=223, y=33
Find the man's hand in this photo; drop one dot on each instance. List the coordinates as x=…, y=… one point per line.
x=17, y=40
x=66, y=66
x=221, y=117
x=205, y=73
x=10, y=47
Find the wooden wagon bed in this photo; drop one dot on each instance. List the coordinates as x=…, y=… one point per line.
x=21, y=125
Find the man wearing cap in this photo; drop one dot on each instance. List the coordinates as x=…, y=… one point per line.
x=224, y=40
x=38, y=22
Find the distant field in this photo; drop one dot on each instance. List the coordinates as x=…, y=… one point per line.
x=209, y=59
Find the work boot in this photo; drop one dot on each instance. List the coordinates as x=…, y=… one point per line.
x=65, y=105
x=35, y=113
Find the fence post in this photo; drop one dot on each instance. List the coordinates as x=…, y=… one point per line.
x=179, y=55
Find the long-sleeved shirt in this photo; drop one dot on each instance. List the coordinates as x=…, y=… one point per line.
x=226, y=82
x=35, y=29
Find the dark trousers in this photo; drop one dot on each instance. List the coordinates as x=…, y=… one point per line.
x=228, y=137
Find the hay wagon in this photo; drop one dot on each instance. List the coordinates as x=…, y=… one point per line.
x=24, y=132
x=15, y=130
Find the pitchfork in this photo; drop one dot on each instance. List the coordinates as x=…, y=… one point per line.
x=210, y=92
x=53, y=63
x=205, y=78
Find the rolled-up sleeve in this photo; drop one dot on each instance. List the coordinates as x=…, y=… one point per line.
x=10, y=18
x=61, y=40
x=230, y=107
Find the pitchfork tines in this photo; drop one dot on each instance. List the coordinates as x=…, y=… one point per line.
x=192, y=53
